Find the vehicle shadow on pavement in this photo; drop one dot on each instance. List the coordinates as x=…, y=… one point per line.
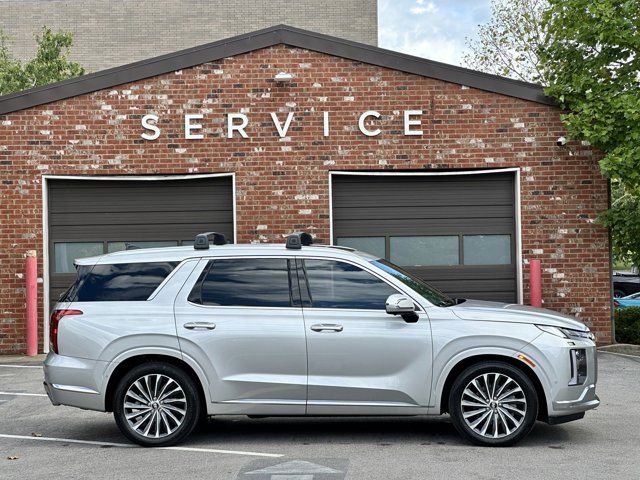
x=352, y=430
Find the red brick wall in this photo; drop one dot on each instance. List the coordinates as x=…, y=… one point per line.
x=283, y=183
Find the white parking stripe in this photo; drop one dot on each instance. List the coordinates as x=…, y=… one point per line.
x=22, y=366
x=128, y=445
x=24, y=394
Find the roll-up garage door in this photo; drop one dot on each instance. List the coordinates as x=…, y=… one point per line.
x=92, y=217
x=457, y=232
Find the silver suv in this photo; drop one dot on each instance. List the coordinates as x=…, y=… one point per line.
x=164, y=337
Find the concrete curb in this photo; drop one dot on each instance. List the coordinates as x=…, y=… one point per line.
x=622, y=348
x=22, y=359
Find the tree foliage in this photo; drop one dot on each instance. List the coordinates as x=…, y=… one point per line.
x=591, y=61
x=50, y=64
x=508, y=45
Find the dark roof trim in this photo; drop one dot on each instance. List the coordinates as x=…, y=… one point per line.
x=280, y=34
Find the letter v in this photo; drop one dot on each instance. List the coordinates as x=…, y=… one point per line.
x=282, y=131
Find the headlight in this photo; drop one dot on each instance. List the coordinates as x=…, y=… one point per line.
x=567, y=332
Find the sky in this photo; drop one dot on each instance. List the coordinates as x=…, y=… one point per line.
x=434, y=29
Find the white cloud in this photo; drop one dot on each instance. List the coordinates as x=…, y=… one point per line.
x=419, y=10
x=431, y=29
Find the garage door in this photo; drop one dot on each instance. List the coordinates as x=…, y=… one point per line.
x=457, y=232
x=92, y=217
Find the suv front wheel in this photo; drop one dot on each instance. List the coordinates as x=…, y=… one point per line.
x=156, y=404
x=493, y=404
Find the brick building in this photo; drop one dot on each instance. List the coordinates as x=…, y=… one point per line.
x=115, y=32
x=453, y=173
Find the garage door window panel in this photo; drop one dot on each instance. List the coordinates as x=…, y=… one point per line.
x=66, y=252
x=119, y=246
x=425, y=250
x=372, y=245
x=334, y=284
x=487, y=249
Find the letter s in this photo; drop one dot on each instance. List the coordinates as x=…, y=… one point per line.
x=150, y=126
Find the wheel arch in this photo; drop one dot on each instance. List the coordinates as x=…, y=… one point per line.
x=463, y=363
x=138, y=359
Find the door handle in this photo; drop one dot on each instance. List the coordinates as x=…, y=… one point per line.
x=329, y=327
x=194, y=325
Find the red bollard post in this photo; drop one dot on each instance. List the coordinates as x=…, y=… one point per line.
x=535, y=281
x=32, y=303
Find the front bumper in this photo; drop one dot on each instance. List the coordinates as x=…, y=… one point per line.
x=75, y=382
x=564, y=402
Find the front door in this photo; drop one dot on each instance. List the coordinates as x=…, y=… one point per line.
x=361, y=359
x=240, y=318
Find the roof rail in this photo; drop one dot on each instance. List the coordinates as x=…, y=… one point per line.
x=202, y=240
x=295, y=241
x=338, y=247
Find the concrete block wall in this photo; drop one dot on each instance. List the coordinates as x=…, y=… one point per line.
x=116, y=32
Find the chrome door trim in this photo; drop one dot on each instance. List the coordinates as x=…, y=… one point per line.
x=194, y=325
x=326, y=327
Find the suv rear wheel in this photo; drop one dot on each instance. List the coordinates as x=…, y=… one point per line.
x=156, y=404
x=493, y=404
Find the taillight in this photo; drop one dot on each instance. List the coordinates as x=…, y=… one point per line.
x=54, y=323
x=616, y=304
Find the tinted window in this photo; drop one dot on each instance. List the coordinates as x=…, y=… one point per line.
x=335, y=284
x=432, y=294
x=246, y=282
x=119, y=282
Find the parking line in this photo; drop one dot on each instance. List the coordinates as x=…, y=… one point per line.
x=128, y=445
x=24, y=394
x=21, y=366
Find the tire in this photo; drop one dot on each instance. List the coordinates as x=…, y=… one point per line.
x=168, y=421
x=494, y=427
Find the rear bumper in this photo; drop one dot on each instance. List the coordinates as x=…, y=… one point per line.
x=75, y=382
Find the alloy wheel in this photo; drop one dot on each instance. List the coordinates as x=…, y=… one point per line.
x=493, y=405
x=155, y=406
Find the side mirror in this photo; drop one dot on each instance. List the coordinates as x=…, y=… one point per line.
x=398, y=304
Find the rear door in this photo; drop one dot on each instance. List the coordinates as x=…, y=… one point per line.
x=361, y=359
x=241, y=320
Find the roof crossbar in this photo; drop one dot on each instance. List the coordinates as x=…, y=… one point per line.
x=202, y=240
x=295, y=241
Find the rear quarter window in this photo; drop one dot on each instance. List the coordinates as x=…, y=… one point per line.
x=119, y=282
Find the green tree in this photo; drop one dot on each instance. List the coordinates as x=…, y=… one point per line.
x=591, y=61
x=508, y=45
x=50, y=64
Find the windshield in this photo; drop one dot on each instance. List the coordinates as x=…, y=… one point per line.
x=432, y=294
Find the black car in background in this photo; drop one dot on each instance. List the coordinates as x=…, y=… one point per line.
x=625, y=283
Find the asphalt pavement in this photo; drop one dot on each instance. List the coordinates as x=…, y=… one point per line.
x=40, y=441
